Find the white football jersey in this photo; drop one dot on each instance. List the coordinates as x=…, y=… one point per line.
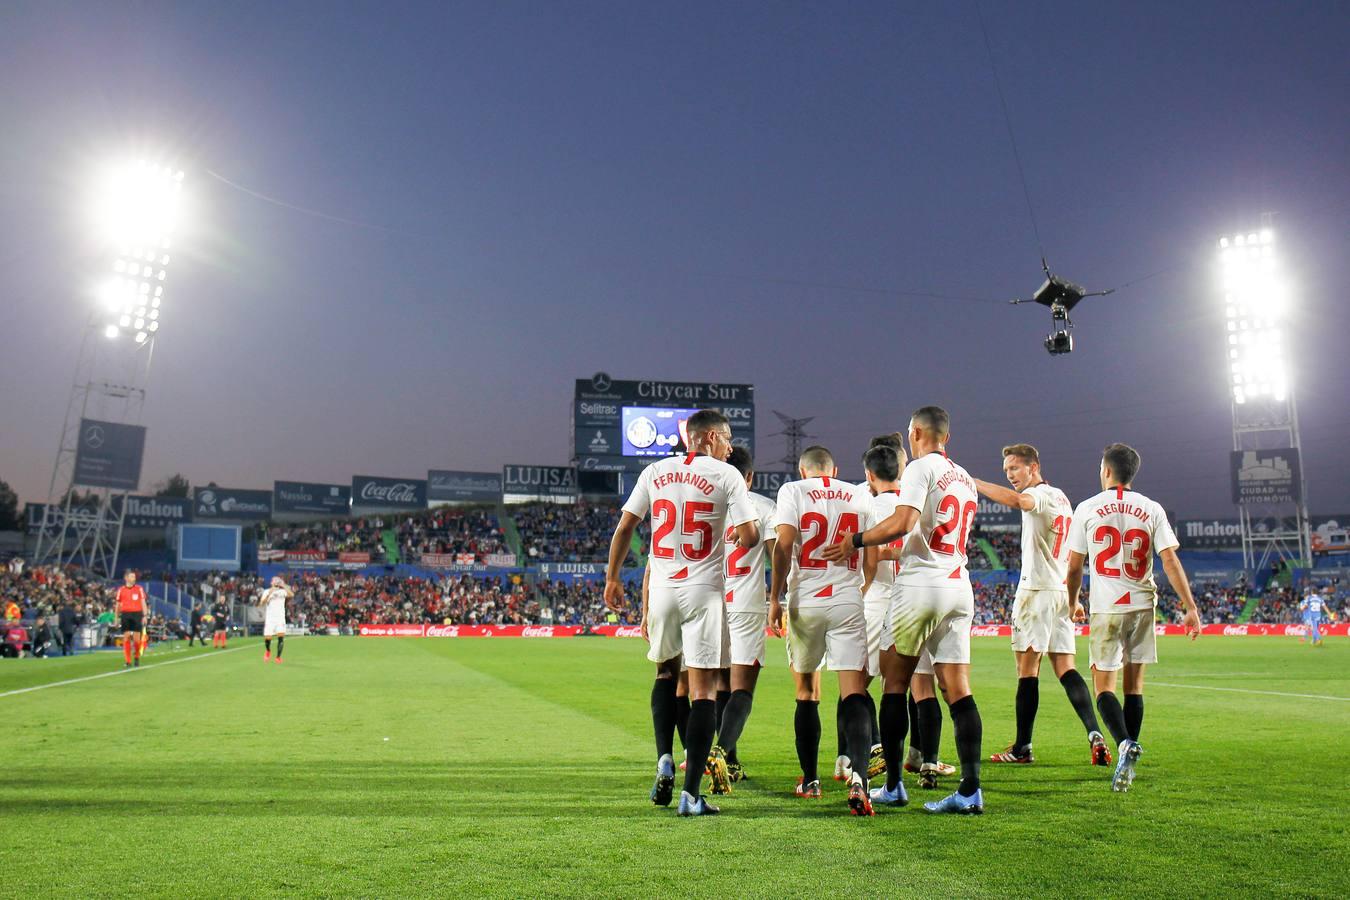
x=692, y=499
x=882, y=507
x=1119, y=531
x=745, y=567
x=1045, y=539
x=821, y=509
x=274, y=602
x=934, y=551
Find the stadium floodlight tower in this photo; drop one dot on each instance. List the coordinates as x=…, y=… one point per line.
x=135, y=214
x=1267, y=477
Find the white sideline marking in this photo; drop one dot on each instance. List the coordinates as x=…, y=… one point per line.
x=1202, y=687
x=39, y=687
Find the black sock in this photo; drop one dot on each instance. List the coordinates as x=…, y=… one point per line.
x=806, y=725
x=733, y=722
x=894, y=717
x=281, y=642
x=1028, y=699
x=969, y=731
x=876, y=726
x=858, y=728
x=1112, y=716
x=267, y=644
x=1134, y=714
x=841, y=740
x=722, y=698
x=663, y=715
x=702, y=728
x=915, y=723
x=930, y=725
x=682, y=719
x=1081, y=698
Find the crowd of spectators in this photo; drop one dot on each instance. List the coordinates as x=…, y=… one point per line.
x=993, y=602
x=472, y=530
x=1007, y=544
x=331, y=537
x=1219, y=604
x=578, y=532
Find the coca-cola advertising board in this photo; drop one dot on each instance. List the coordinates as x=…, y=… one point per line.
x=376, y=492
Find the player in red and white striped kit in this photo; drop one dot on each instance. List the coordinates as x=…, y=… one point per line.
x=932, y=607
x=692, y=499
x=825, y=605
x=1118, y=531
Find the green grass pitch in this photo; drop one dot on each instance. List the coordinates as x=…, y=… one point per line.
x=520, y=767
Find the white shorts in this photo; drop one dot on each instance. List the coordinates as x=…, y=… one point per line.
x=835, y=633
x=1041, y=622
x=875, y=603
x=688, y=620
x=1114, y=640
x=274, y=625
x=747, y=637
x=936, y=618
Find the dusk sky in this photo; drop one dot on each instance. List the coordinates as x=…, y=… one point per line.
x=729, y=192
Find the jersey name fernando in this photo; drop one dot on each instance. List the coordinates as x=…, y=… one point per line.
x=821, y=509
x=692, y=499
x=1119, y=531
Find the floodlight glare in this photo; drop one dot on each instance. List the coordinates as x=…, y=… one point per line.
x=1256, y=301
x=110, y=332
x=138, y=204
x=136, y=209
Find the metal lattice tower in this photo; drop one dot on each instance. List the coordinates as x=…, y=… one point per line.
x=795, y=432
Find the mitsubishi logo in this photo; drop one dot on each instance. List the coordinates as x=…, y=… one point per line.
x=601, y=381
x=93, y=436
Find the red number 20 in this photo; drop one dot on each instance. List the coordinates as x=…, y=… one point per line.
x=958, y=518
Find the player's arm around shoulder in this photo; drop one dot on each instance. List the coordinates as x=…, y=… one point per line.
x=1024, y=500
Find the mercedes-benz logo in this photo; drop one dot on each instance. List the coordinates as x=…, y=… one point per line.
x=93, y=436
x=601, y=381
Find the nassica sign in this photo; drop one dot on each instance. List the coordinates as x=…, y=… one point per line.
x=448, y=486
x=109, y=455
x=1266, y=476
x=395, y=494
x=235, y=504
x=521, y=484
x=307, y=497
